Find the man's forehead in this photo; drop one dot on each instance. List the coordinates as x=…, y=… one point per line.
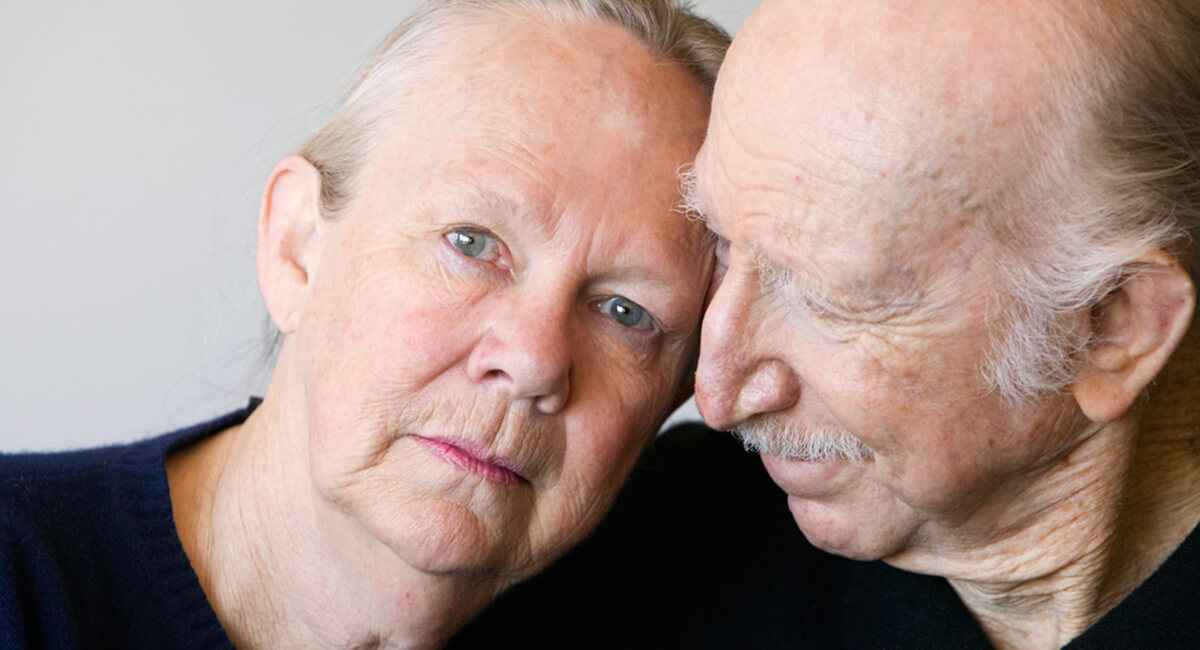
x=862, y=121
x=871, y=237
x=889, y=77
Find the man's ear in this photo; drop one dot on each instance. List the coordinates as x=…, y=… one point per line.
x=1135, y=331
x=289, y=233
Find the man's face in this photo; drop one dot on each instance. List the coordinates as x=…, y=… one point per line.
x=854, y=283
x=506, y=311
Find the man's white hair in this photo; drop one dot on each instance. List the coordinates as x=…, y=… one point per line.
x=1127, y=185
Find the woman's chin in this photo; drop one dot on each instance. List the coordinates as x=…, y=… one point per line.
x=443, y=537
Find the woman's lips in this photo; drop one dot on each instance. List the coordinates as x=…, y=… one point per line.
x=492, y=469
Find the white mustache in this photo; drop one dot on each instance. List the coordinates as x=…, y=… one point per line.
x=774, y=438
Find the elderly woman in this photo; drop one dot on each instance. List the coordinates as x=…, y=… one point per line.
x=487, y=304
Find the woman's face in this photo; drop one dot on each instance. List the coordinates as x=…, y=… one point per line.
x=509, y=305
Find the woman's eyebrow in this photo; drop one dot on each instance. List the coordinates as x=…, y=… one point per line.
x=466, y=196
x=640, y=274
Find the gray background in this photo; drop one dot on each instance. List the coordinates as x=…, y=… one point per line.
x=135, y=137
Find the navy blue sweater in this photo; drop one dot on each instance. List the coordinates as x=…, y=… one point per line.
x=89, y=555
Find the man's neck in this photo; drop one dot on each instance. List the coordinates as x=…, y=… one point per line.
x=1094, y=526
x=282, y=568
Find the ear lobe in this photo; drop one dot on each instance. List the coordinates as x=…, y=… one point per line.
x=289, y=231
x=1135, y=330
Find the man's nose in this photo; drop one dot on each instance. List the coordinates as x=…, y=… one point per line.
x=527, y=352
x=739, y=376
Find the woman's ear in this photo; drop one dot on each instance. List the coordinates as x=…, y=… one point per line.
x=289, y=232
x=1135, y=331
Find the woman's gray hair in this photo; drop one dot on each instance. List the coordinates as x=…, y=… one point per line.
x=1130, y=186
x=668, y=28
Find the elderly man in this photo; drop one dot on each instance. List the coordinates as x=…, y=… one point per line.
x=953, y=311
x=953, y=303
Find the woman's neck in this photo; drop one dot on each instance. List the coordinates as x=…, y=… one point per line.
x=283, y=568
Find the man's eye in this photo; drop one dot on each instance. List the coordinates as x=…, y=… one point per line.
x=722, y=251
x=627, y=313
x=475, y=244
x=721, y=263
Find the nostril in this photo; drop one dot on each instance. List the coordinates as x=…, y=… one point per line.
x=493, y=375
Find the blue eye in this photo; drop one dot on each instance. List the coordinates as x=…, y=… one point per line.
x=627, y=313
x=475, y=244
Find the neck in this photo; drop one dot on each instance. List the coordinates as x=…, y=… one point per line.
x=283, y=568
x=1092, y=528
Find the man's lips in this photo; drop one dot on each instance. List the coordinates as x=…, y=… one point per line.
x=467, y=458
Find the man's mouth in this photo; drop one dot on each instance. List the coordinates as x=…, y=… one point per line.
x=476, y=461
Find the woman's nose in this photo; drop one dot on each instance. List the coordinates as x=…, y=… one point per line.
x=738, y=376
x=526, y=352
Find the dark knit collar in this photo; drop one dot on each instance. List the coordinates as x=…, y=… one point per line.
x=146, y=494
x=1161, y=613
x=884, y=606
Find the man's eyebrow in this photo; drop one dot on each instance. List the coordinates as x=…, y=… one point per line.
x=811, y=291
x=692, y=204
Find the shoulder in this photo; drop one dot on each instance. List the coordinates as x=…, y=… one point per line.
x=54, y=494
x=88, y=549
x=71, y=552
x=53, y=509
x=44, y=488
x=34, y=608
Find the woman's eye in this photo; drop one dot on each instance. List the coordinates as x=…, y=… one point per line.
x=627, y=313
x=475, y=244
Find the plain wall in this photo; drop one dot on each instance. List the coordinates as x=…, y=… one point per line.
x=136, y=139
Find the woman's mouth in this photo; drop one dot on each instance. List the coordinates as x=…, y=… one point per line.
x=473, y=461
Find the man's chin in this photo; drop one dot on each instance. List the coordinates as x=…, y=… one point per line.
x=838, y=531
